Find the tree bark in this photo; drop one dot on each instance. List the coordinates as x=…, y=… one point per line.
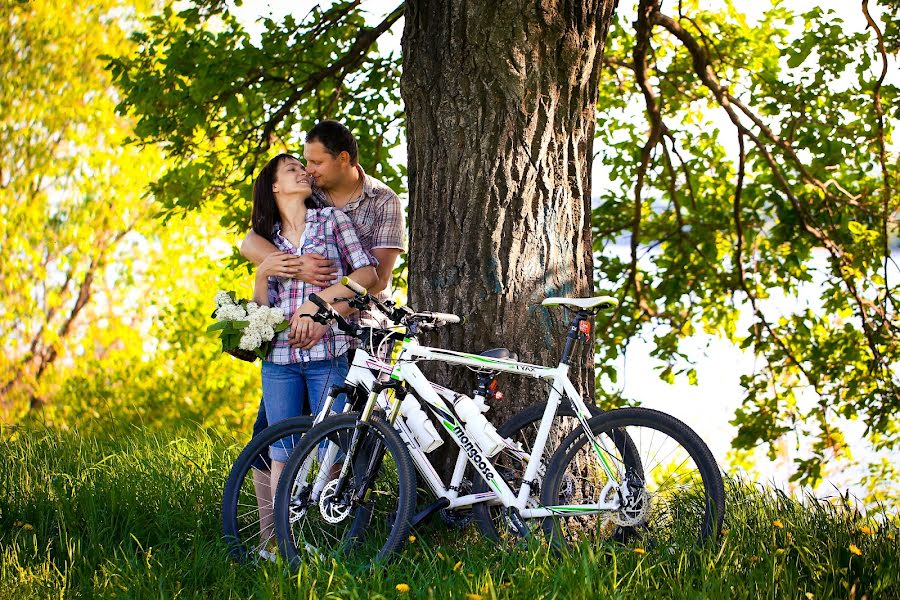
x=500, y=103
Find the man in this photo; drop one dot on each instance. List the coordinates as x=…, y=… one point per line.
x=332, y=160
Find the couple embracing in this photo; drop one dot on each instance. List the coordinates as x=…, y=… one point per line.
x=309, y=227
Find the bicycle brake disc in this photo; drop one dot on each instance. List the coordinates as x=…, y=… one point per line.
x=634, y=511
x=331, y=510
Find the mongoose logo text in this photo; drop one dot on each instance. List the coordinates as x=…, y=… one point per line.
x=470, y=449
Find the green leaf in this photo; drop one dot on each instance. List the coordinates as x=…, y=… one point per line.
x=667, y=375
x=799, y=55
x=218, y=326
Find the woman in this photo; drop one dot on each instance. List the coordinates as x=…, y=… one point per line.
x=308, y=358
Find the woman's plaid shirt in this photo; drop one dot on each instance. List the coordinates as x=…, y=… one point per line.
x=329, y=232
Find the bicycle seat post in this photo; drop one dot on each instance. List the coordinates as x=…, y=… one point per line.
x=575, y=333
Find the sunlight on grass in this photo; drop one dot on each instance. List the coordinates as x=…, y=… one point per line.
x=138, y=516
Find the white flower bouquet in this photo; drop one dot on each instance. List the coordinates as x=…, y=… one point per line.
x=245, y=328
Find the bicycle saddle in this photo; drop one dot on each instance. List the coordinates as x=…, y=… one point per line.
x=501, y=353
x=583, y=303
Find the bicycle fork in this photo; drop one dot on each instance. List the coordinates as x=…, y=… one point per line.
x=371, y=447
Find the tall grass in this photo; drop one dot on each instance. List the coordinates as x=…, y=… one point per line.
x=137, y=515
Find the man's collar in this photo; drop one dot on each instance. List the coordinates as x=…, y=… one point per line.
x=368, y=190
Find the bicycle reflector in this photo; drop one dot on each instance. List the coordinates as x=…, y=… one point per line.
x=585, y=327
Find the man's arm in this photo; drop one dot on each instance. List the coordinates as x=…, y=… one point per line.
x=306, y=333
x=388, y=240
x=311, y=268
x=256, y=248
x=387, y=258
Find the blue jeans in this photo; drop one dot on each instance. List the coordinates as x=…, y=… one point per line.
x=298, y=389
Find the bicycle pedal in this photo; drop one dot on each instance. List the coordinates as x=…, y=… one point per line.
x=512, y=515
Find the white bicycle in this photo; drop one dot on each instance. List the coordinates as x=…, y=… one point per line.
x=247, y=498
x=626, y=473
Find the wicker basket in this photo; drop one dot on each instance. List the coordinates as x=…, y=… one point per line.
x=248, y=355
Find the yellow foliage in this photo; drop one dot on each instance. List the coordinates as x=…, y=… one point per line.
x=104, y=307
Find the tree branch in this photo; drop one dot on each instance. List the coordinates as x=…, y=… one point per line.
x=739, y=263
x=350, y=61
x=639, y=58
x=704, y=70
x=882, y=155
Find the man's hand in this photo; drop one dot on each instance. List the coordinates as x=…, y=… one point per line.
x=311, y=268
x=316, y=270
x=305, y=333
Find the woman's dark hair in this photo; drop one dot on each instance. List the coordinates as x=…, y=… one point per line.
x=335, y=137
x=265, y=210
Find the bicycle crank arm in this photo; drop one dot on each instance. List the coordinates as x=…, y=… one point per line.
x=429, y=510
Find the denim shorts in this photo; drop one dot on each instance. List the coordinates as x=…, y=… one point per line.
x=298, y=389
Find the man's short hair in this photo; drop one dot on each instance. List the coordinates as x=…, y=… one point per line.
x=335, y=137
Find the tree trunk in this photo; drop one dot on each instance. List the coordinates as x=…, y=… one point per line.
x=500, y=102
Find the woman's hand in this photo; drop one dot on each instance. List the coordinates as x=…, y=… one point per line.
x=306, y=333
x=279, y=264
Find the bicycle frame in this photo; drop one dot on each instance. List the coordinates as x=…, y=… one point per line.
x=365, y=371
x=407, y=371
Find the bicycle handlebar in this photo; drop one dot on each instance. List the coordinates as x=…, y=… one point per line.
x=354, y=287
x=329, y=313
x=445, y=318
x=320, y=303
x=427, y=320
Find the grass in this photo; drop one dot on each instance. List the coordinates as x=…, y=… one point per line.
x=137, y=515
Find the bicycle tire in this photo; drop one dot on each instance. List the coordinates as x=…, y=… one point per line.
x=680, y=481
x=237, y=511
x=304, y=523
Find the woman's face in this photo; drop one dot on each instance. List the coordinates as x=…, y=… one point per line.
x=291, y=179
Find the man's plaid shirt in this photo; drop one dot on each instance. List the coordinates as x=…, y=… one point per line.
x=378, y=219
x=329, y=232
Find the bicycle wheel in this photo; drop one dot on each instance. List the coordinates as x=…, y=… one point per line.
x=247, y=507
x=521, y=428
x=674, y=496
x=366, y=512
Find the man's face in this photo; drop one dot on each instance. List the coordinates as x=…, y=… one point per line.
x=327, y=170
